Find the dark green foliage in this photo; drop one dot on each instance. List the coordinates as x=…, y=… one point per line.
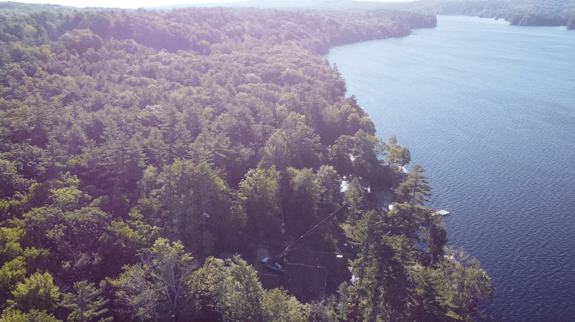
x=233, y=290
x=382, y=262
x=158, y=287
x=85, y=303
x=10, y=180
x=260, y=190
x=451, y=289
x=291, y=145
x=329, y=183
x=196, y=204
x=415, y=189
x=392, y=283
x=301, y=199
x=360, y=154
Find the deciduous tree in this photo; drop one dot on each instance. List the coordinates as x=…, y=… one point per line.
x=36, y=292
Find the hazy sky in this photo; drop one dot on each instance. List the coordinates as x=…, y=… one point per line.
x=122, y=3
x=135, y=3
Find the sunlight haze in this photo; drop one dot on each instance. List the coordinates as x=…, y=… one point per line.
x=146, y=3
x=124, y=3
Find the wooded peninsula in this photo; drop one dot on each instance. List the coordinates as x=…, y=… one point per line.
x=204, y=164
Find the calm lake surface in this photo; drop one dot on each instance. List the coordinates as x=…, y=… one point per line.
x=488, y=109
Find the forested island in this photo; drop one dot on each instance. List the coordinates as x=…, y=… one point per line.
x=205, y=165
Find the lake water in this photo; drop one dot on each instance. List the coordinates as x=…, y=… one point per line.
x=488, y=109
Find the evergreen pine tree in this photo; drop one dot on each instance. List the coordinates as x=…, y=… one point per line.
x=85, y=303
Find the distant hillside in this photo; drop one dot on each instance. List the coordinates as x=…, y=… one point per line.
x=517, y=12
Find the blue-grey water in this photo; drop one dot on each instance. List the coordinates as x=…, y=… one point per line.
x=488, y=109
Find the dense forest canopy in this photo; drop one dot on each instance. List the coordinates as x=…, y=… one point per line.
x=137, y=146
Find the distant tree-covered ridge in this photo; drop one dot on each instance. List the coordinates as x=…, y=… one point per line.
x=137, y=147
x=517, y=12
x=198, y=29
